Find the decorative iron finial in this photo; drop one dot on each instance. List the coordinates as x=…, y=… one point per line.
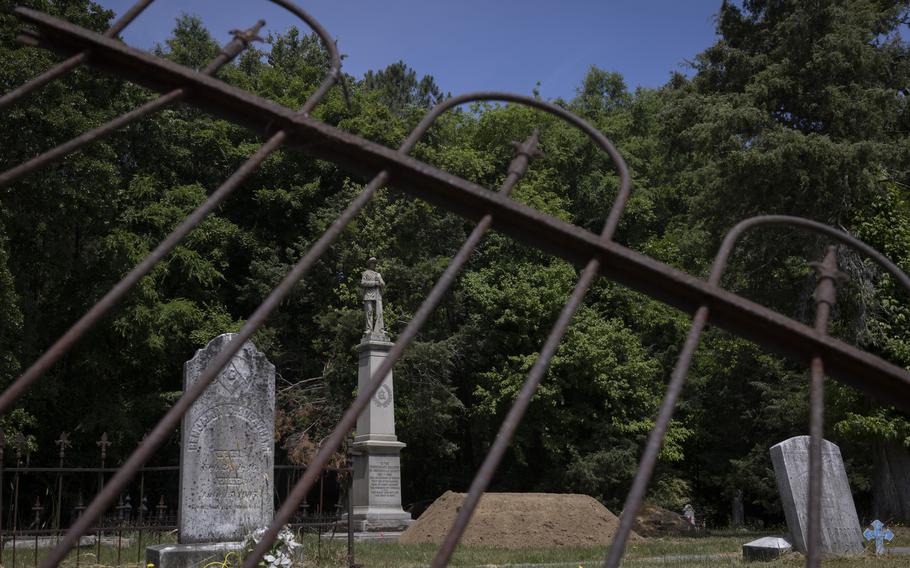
x=828, y=276
x=37, y=508
x=20, y=444
x=161, y=508
x=103, y=443
x=64, y=442
x=249, y=35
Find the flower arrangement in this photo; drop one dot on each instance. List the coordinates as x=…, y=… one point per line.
x=285, y=551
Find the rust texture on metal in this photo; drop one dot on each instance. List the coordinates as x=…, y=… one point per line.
x=162, y=430
x=96, y=312
x=636, y=494
x=738, y=315
x=596, y=254
x=231, y=50
x=439, y=289
x=73, y=61
x=825, y=296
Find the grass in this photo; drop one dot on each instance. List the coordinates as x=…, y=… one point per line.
x=677, y=552
x=131, y=552
x=680, y=552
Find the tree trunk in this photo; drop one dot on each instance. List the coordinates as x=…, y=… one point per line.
x=891, y=482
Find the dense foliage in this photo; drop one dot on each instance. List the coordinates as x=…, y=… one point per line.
x=795, y=109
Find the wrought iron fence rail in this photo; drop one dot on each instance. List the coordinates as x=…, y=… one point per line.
x=597, y=253
x=769, y=328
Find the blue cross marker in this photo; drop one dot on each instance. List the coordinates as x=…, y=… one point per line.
x=877, y=534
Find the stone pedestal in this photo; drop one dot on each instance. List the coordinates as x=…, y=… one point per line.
x=377, y=465
x=191, y=555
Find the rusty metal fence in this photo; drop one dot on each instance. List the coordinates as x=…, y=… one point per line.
x=38, y=503
x=598, y=255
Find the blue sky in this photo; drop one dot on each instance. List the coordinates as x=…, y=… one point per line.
x=472, y=45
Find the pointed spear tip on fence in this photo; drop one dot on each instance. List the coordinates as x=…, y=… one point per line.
x=827, y=268
x=529, y=146
x=249, y=35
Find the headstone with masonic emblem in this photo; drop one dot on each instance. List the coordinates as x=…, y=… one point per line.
x=227, y=457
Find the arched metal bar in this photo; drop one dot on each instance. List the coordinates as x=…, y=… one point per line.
x=338, y=434
x=73, y=61
x=655, y=440
x=113, y=297
x=472, y=201
x=729, y=242
x=230, y=51
x=62, y=345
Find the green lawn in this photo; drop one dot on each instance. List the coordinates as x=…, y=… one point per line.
x=659, y=552
x=679, y=552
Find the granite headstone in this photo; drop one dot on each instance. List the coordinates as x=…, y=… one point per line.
x=840, y=531
x=226, y=458
x=228, y=444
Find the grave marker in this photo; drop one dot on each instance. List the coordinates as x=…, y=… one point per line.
x=840, y=532
x=878, y=535
x=226, y=457
x=377, y=463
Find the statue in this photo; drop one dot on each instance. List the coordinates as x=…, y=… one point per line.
x=372, y=284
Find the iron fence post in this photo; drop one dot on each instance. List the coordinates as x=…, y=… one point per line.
x=349, y=465
x=825, y=297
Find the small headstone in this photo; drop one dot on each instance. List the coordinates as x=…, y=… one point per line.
x=689, y=514
x=840, y=531
x=879, y=533
x=765, y=549
x=737, y=515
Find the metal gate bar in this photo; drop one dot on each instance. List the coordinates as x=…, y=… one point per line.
x=779, y=333
x=74, y=61
x=599, y=255
x=333, y=441
x=241, y=40
x=100, y=309
x=636, y=494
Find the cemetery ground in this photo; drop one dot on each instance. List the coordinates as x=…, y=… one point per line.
x=716, y=549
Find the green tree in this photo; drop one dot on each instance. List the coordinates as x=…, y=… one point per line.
x=800, y=109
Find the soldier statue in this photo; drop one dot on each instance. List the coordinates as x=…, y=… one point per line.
x=372, y=284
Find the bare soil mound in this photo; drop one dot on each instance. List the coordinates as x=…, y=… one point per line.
x=657, y=521
x=519, y=520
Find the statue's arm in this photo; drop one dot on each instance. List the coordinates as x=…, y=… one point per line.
x=379, y=280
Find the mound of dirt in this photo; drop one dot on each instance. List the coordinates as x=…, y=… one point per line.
x=519, y=520
x=657, y=521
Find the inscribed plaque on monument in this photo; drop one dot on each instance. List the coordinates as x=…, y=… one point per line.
x=840, y=532
x=227, y=451
x=385, y=480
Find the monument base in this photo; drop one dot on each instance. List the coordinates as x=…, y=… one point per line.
x=376, y=519
x=189, y=555
x=377, y=487
x=385, y=528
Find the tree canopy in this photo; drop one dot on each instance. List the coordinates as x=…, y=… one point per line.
x=797, y=108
